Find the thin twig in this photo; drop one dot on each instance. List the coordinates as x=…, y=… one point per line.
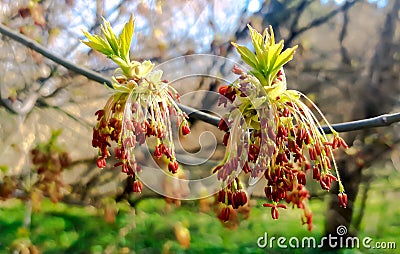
x=319, y=21
x=92, y=75
x=379, y=121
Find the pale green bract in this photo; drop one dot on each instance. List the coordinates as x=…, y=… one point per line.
x=268, y=58
x=117, y=49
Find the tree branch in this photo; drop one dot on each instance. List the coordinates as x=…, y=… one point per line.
x=319, y=21
x=379, y=121
x=92, y=75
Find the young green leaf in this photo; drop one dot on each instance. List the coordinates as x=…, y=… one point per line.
x=125, y=38
x=268, y=58
x=246, y=55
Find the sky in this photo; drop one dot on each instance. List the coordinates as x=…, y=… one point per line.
x=255, y=5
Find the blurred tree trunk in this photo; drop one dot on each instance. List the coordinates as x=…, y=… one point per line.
x=376, y=94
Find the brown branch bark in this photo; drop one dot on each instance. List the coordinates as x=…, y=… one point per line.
x=319, y=21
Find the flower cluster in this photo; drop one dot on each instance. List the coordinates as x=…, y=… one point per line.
x=8, y=185
x=49, y=162
x=281, y=135
x=142, y=106
x=231, y=197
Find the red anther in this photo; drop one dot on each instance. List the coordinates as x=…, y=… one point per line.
x=274, y=213
x=119, y=153
x=327, y=149
x=173, y=166
x=326, y=181
x=342, y=142
x=232, y=200
x=274, y=209
x=223, y=89
x=101, y=162
x=125, y=168
x=254, y=149
x=236, y=69
x=307, y=166
x=342, y=199
x=268, y=205
x=150, y=130
x=185, y=129
x=286, y=112
x=24, y=12
x=279, y=159
x=118, y=164
x=120, y=80
x=331, y=177
x=104, y=151
x=317, y=149
x=307, y=138
x=223, y=215
x=160, y=133
x=298, y=156
x=159, y=151
x=222, y=125
x=281, y=206
x=328, y=162
x=300, y=134
x=246, y=168
x=137, y=186
x=281, y=132
x=178, y=97
x=221, y=196
x=95, y=143
x=324, y=185
x=316, y=173
x=226, y=138
x=224, y=92
x=284, y=158
x=216, y=169
x=99, y=114
x=228, y=92
x=168, y=153
x=242, y=198
x=278, y=172
x=292, y=145
x=301, y=178
x=257, y=134
x=335, y=143
x=268, y=193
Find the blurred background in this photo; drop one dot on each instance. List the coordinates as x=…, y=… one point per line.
x=348, y=63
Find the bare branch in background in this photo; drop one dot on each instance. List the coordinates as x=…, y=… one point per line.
x=92, y=75
x=343, y=51
x=319, y=21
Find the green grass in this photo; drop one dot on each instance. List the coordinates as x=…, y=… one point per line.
x=63, y=228
x=149, y=228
